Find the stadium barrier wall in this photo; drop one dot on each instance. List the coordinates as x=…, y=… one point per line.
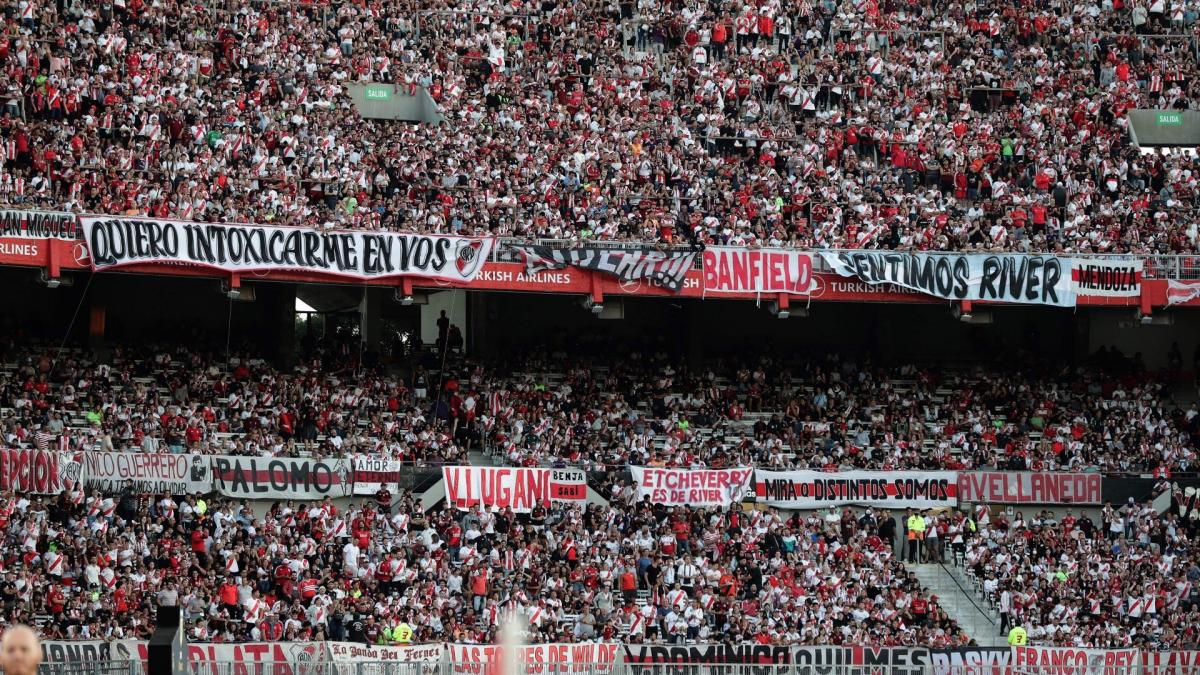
x=50, y=471
x=344, y=658
x=445, y=668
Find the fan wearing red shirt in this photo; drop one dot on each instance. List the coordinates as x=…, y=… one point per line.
x=920, y=609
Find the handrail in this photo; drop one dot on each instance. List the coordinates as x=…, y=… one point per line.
x=1157, y=266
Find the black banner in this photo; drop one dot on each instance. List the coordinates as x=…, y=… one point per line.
x=971, y=661
x=676, y=659
x=664, y=268
x=860, y=660
x=38, y=224
x=1119, y=490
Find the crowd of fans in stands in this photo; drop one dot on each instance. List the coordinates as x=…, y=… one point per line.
x=92, y=565
x=836, y=123
x=827, y=412
x=1132, y=579
x=626, y=571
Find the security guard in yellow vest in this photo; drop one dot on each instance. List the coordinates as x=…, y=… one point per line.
x=403, y=633
x=1017, y=637
x=916, y=533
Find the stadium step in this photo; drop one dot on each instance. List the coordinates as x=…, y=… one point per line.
x=958, y=599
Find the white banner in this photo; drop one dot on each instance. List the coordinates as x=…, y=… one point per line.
x=353, y=658
x=153, y=473
x=282, y=478
x=38, y=472
x=1107, y=278
x=592, y=658
x=887, y=489
x=1030, y=660
x=986, y=277
x=518, y=488
x=1171, y=663
x=691, y=487
x=117, y=241
x=729, y=269
x=372, y=473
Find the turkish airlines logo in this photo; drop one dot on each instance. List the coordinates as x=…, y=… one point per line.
x=80, y=253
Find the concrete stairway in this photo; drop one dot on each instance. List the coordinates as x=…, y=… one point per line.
x=956, y=596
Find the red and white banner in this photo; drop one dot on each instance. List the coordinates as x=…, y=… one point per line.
x=360, y=659
x=1171, y=663
x=1027, y=487
x=761, y=270
x=691, y=487
x=39, y=472
x=1029, y=660
x=887, y=489
x=584, y=657
x=518, y=488
x=1107, y=278
x=372, y=473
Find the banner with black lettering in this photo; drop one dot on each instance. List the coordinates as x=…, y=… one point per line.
x=282, y=477
x=353, y=658
x=1030, y=660
x=971, y=661
x=38, y=224
x=38, y=472
x=148, y=473
x=581, y=657
x=1029, y=487
x=986, y=277
x=1107, y=278
x=886, y=489
x=117, y=241
x=649, y=659
x=75, y=652
x=664, y=268
x=729, y=269
x=691, y=487
x=373, y=473
x=847, y=660
x=518, y=488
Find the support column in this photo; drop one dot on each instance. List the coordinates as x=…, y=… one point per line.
x=284, y=309
x=370, y=315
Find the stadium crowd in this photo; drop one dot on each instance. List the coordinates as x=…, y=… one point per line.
x=861, y=123
x=626, y=571
x=1132, y=579
x=1108, y=414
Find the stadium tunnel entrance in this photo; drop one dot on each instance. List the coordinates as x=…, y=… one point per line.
x=282, y=320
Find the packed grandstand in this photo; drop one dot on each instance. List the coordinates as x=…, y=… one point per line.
x=927, y=126
x=756, y=506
